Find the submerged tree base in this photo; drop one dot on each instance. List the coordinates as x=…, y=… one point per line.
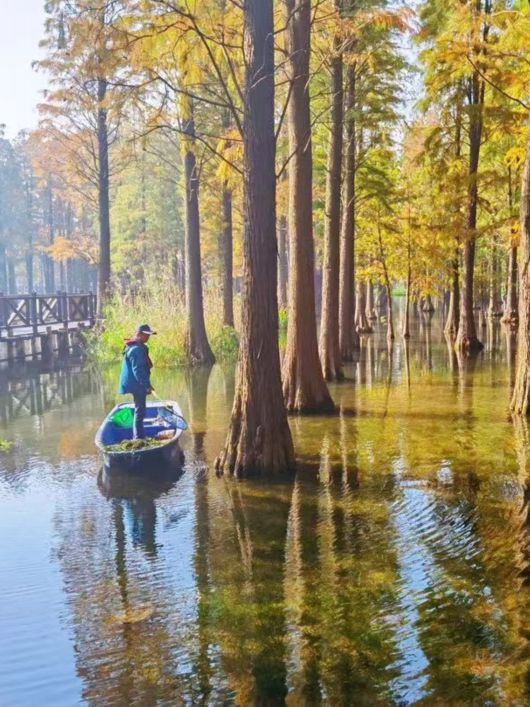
x=256, y=447
x=304, y=391
x=469, y=345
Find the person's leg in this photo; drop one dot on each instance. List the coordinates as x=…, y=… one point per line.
x=139, y=414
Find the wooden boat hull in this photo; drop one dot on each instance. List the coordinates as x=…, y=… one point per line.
x=149, y=461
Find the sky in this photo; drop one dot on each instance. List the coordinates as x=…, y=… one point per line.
x=21, y=29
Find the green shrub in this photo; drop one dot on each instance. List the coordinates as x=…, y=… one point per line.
x=224, y=343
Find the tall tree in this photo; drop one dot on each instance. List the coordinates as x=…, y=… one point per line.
x=198, y=349
x=304, y=387
x=259, y=439
x=330, y=356
x=520, y=403
x=348, y=337
x=85, y=62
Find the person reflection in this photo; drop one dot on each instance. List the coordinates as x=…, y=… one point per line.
x=134, y=499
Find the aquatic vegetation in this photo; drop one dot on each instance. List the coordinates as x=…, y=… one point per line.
x=5, y=445
x=133, y=445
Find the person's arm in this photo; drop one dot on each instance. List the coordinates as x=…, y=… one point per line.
x=140, y=367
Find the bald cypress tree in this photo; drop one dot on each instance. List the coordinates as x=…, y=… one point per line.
x=259, y=439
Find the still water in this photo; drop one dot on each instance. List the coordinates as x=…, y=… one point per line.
x=393, y=570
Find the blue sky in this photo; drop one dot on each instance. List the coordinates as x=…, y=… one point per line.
x=21, y=29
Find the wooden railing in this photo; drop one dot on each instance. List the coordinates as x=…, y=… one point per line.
x=31, y=314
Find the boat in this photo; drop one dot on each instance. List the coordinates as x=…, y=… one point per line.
x=148, y=460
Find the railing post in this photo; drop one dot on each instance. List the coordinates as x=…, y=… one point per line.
x=65, y=316
x=91, y=307
x=60, y=306
x=33, y=313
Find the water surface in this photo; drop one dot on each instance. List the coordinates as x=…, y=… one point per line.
x=392, y=570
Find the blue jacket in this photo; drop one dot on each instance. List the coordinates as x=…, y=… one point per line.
x=135, y=375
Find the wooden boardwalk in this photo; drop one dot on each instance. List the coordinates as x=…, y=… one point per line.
x=40, y=325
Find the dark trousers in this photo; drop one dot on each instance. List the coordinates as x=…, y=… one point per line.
x=139, y=415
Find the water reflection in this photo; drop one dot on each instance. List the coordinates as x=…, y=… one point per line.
x=37, y=389
x=394, y=569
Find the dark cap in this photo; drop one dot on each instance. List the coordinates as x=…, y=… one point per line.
x=145, y=329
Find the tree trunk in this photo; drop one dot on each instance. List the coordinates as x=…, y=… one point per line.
x=48, y=269
x=103, y=199
x=29, y=273
x=330, y=357
x=510, y=313
x=282, y=261
x=388, y=288
x=227, y=259
x=406, y=322
x=370, y=308
x=259, y=440
x=198, y=351
x=348, y=336
x=11, y=277
x=493, y=304
x=361, y=322
x=427, y=305
x=453, y=315
x=304, y=388
x=521, y=391
x=467, y=339
x=389, y=312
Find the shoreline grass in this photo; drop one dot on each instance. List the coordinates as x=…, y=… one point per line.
x=163, y=309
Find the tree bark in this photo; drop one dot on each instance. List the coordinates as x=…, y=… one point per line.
x=330, y=357
x=304, y=388
x=198, y=351
x=259, y=439
x=521, y=391
x=103, y=198
x=348, y=337
x=406, y=322
x=227, y=259
x=370, y=307
x=388, y=288
x=453, y=315
x=282, y=261
x=493, y=304
x=467, y=340
x=511, y=313
x=362, y=324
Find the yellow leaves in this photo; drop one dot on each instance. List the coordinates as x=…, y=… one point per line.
x=515, y=156
x=400, y=20
x=230, y=148
x=63, y=249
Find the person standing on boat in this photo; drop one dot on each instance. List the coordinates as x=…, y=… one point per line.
x=135, y=376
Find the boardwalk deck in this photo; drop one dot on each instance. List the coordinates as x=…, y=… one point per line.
x=33, y=325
